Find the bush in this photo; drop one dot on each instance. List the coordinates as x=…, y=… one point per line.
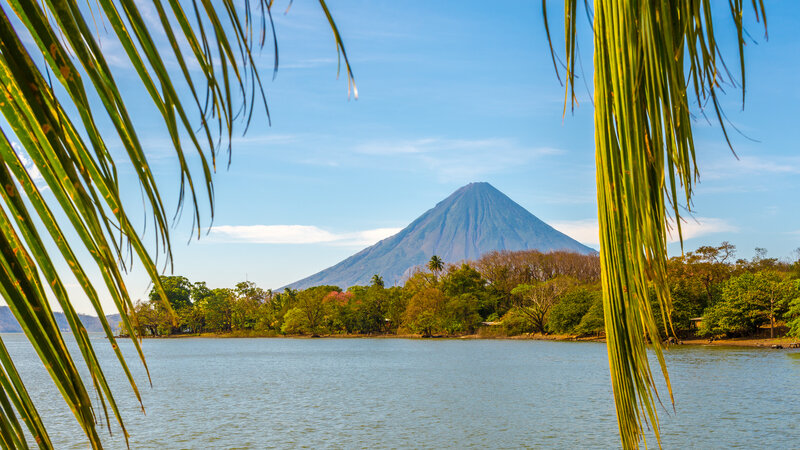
x=515, y=322
x=294, y=322
x=793, y=317
x=566, y=315
x=593, y=322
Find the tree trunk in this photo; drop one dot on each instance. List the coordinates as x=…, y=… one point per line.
x=771, y=326
x=772, y=314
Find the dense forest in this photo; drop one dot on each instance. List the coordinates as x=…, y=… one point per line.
x=501, y=294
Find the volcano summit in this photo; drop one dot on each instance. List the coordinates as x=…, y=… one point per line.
x=474, y=220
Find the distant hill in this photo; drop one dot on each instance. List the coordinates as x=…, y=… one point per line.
x=474, y=220
x=9, y=324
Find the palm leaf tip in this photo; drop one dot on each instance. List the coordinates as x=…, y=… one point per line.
x=646, y=166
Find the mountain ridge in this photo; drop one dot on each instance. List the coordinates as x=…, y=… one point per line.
x=9, y=324
x=473, y=220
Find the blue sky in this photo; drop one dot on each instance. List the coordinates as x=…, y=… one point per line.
x=452, y=92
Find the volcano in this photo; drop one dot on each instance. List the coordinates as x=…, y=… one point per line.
x=474, y=220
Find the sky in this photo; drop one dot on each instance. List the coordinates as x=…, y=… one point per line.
x=452, y=92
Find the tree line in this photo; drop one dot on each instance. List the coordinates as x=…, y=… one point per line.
x=503, y=293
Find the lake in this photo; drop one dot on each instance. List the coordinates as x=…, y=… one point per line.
x=413, y=393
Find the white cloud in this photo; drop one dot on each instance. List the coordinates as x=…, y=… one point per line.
x=296, y=234
x=587, y=231
x=33, y=171
x=584, y=231
x=369, y=237
x=272, y=234
x=701, y=226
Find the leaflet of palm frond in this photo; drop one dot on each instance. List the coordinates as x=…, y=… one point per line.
x=646, y=167
x=71, y=154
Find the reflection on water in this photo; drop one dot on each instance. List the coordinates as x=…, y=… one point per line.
x=366, y=393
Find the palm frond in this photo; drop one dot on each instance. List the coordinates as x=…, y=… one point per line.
x=646, y=167
x=72, y=155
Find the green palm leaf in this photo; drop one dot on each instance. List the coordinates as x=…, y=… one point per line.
x=651, y=59
x=73, y=157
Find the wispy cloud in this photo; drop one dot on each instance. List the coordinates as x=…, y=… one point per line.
x=455, y=159
x=296, y=234
x=440, y=145
x=162, y=150
x=266, y=138
x=751, y=165
x=308, y=63
x=587, y=231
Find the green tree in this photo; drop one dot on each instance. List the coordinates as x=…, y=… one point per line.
x=567, y=314
x=191, y=320
x=535, y=300
x=794, y=267
x=515, y=323
x=367, y=307
x=710, y=266
x=311, y=303
x=295, y=322
x=146, y=319
x=279, y=305
x=246, y=306
x=395, y=306
x=249, y=290
x=177, y=289
x=199, y=292
x=422, y=315
x=460, y=314
x=793, y=314
x=466, y=280
x=749, y=301
x=217, y=310
x=593, y=322
x=462, y=280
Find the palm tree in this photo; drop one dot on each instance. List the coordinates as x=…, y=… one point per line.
x=651, y=59
x=51, y=64
x=377, y=281
x=435, y=265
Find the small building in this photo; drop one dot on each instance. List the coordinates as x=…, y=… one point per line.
x=696, y=322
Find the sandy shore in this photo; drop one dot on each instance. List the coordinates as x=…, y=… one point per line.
x=785, y=342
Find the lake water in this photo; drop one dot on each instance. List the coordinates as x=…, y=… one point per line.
x=404, y=393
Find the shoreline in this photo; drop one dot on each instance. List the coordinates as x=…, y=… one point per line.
x=751, y=342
